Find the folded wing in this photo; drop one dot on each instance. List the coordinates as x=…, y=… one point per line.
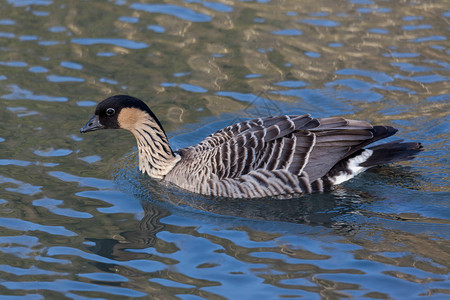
x=297, y=144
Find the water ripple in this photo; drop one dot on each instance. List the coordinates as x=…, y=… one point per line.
x=129, y=19
x=412, y=18
x=192, y=88
x=58, y=78
x=22, y=111
x=109, y=81
x=426, y=78
x=374, y=75
x=171, y=283
x=367, y=10
x=52, y=205
x=291, y=83
x=183, y=13
x=64, y=285
x=8, y=35
x=23, y=163
x=111, y=41
x=185, y=86
x=401, y=54
x=70, y=232
x=22, y=225
x=38, y=69
x=247, y=97
x=292, y=32
x=18, y=64
x=83, y=181
x=429, y=39
x=53, y=152
x=24, y=240
x=20, y=3
x=104, y=277
x=41, y=13
x=33, y=270
x=320, y=22
x=138, y=264
x=71, y=65
x=156, y=28
x=7, y=22
x=416, y=27
x=23, y=187
x=18, y=93
x=408, y=67
x=379, y=30
x=91, y=159
x=56, y=29
x=217, y=6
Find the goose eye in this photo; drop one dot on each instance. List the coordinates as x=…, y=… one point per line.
x=110, y=111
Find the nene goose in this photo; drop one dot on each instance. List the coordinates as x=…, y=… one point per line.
x=271, y=156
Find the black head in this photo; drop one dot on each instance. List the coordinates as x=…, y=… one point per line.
x=108, y=111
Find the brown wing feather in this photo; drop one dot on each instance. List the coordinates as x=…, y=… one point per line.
x=298, y=144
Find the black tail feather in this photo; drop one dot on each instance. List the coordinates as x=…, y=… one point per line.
x=379, y=132
x=392, y=152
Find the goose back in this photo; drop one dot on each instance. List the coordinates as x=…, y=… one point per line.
x=270, y=156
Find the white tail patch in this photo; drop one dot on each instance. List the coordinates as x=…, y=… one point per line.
x=353, y=167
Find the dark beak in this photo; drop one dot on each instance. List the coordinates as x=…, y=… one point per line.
x=92, y=125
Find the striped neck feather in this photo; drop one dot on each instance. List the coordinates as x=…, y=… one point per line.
x=156, y=158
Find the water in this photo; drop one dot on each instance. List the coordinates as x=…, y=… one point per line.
x=78, y=221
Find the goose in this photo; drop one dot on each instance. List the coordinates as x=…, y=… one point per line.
x=278, y=156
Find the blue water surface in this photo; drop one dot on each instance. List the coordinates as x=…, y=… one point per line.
x=78, y=220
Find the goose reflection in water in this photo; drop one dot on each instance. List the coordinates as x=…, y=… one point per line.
x=142, y=237
x=336, y=210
